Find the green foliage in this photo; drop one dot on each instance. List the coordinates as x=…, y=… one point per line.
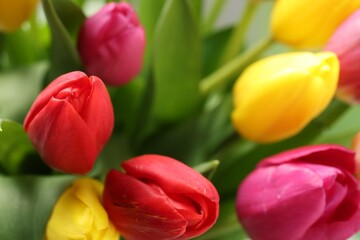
x=14, y=146
x=64, y=56
x=18, y=89
x=26, y=203
x=177, y=62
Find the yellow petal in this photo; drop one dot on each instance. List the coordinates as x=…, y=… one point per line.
x=278, y=96
x=307, y=23
x=14, y=12
x=79, y=214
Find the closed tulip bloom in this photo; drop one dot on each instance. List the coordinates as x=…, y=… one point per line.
x=309, y=24
x=278, y=96
x=306, y=193
x=70, y=122
x=79, y=214
x=345, y=42
x=111, y=44
x=13, y=13
x=160, y=198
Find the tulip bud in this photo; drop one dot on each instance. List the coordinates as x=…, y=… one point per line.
x=345, y=43
x=307, y=23
x=111, y=44
x=79, y=214
x=70, y=122
x=278, y=96
x=160, y=198
x=13, y=13
x=305, y=193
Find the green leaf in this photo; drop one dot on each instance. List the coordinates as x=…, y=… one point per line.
x=26, y=203
x=207, y=168
x=18, y=89
x=177, y=62
x=344, y=130
x=196, y=6
x=128, y=99
x=149, y=12
x=15, y=146
x=70, y=14
x=214, y=45
x=64, y=55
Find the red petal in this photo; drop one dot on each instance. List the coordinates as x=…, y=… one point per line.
x=62, y=138
x=140, y=211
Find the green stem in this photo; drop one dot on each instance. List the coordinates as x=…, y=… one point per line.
x=213, y=16
x=237, y=36
x=224, y=74
x=58, y=29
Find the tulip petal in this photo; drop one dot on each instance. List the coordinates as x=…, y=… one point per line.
x=268, y=202
x=77, y=212
x=65, y=143
x=310, y=27
x=201, y=192
x=140, y=211
x=325, y=154
x=98, y=111
x=77, y=79
x=264, y=111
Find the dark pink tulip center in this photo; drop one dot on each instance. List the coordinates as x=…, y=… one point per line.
x=75, y=96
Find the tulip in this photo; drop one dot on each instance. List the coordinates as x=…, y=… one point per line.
x=159, y=198
x=307, y=23
x=79, y=214
x=278, y=96
x=345, y=42
x=70, y=122
x=305, y=193
x=111, y=44
x=13, y=13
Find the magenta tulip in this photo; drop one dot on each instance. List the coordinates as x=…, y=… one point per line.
x=70, y=122
x=306, y=193
x=111, y=44
x=160, y=198
x=345, y=42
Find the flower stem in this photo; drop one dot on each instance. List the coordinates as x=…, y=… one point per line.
x=213, y=16
x=237, y=36
x=224, y=74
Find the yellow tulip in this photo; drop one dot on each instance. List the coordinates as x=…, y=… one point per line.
x=278, y=96
x=309, y=23
x=14, y=12
x=79, y=214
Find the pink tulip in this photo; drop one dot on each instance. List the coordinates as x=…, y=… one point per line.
x=305, y=193
x=345, y=42
x=70, y=122
x=159, y=198
x=111, y=44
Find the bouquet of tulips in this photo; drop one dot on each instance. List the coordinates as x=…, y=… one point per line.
x=145, y=120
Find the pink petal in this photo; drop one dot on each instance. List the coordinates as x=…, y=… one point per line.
x=280, y=202
x=331, y=155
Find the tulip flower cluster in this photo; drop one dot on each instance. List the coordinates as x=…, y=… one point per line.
x=145, y=121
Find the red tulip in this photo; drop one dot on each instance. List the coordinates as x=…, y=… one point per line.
x=345, y=42
x=111, y=43
x=159, y=198
x=306, y=193
x=70, y=122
